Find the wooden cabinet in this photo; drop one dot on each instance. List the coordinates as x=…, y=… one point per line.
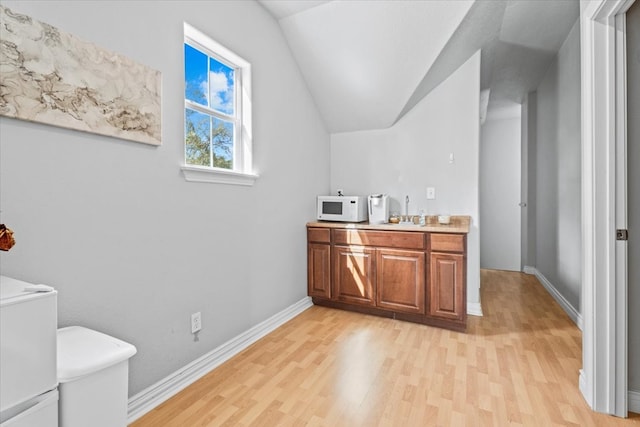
x=319, y=270
x=319, y=263
x=400, y=280
x=354, y=275
x=369, y=272
x=410, y=275
x=446, y=286
x=447, y=278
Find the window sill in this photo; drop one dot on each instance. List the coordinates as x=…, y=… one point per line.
x=217, y=176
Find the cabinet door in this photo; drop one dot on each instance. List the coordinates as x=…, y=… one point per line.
x=319, y=270
x=400, y=280
x=354, y=275
x=446, y=286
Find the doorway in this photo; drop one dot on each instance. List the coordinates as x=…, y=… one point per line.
x=500, y=187
x=633, y=199
x=604, y=377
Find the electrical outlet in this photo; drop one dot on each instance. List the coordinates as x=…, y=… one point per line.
x=431, y=193
x=196, y=322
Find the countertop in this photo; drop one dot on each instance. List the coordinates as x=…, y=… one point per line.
x=459, y=224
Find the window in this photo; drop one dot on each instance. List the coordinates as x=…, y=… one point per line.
x=217, y=105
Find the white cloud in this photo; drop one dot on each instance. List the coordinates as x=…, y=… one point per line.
x=218, y=82
x=220, y=92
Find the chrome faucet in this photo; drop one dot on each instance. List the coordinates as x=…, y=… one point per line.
x=406, y=205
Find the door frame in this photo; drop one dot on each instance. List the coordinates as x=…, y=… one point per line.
x=604, y=374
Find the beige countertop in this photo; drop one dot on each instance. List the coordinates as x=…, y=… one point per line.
x=459, y=224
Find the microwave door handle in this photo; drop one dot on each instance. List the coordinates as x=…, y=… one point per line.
x=370, y=208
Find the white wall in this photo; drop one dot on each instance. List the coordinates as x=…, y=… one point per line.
x=131, y=246
x=558, y=190
x=500, y=178
x=414, y=154
x=633, y=192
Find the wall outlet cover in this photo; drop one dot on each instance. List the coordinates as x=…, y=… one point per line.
x=196, y=322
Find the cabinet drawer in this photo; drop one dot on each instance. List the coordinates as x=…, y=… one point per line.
x=319, y=235
x=447, y=242
x=387, y=239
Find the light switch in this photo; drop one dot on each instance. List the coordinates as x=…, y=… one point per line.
x=431, y=193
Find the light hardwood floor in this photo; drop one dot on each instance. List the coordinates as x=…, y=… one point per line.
x=517, y=365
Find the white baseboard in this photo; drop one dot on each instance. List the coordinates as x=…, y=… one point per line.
x=567, y=307
x=634, y=401
x=582, y=385
x=529, y=270
x=474, y=308
x=157, y=393
x=633, y=397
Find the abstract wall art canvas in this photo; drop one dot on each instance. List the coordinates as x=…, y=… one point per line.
x=52, y=77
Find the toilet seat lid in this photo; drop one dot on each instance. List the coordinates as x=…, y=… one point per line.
x=83, y=351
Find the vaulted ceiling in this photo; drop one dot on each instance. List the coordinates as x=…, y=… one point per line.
x=367, y=63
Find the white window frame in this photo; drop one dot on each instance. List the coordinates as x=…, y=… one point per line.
x=242, y=172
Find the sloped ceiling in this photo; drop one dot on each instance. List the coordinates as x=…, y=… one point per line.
x=367, y=63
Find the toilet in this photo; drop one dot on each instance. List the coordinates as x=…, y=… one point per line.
x=93, y=376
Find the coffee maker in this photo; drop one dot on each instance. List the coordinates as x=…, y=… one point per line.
x=378, y=209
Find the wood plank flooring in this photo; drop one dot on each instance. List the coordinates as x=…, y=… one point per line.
x=516, y=366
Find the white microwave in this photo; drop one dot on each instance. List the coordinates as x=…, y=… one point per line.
x=342, y=208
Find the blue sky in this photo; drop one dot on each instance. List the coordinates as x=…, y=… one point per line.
x=220, y=80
